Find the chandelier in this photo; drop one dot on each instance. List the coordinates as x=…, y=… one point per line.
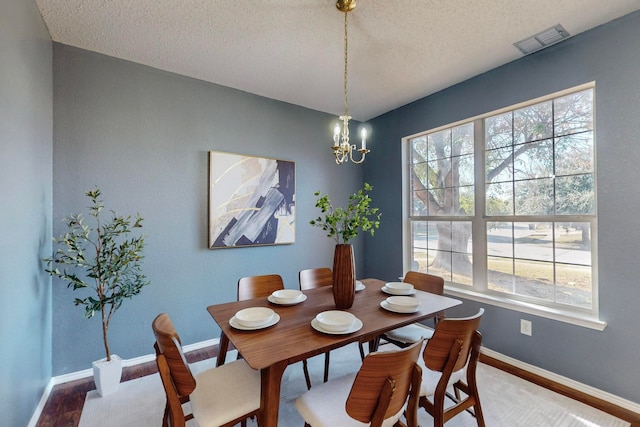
x=342, y=150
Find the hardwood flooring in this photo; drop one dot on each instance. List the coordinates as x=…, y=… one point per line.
x=64, y=406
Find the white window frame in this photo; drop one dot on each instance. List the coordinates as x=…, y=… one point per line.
x=585, y=318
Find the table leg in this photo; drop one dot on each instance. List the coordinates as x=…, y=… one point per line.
x=271, y=378
x=223, y=347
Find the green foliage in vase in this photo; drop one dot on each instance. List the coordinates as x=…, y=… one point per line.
x=104, y=259
x=344, y=224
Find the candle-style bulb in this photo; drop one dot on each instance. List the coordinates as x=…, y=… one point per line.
x=336, y=135
x=363, y=135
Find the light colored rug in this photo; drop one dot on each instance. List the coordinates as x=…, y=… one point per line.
x=506, y=400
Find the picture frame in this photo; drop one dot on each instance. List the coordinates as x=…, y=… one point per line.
x=251, y=201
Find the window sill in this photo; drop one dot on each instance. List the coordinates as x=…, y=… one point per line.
x=547, y=312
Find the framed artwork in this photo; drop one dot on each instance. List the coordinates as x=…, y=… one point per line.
x=251, y=201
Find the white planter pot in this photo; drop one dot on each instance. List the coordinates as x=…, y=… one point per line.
x=107, y=375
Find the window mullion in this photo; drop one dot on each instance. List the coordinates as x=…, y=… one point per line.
x=478, y=223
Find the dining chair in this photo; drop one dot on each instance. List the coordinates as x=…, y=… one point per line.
x=222, y=396
x=450, y=358
x=312, y=278
x=259, y=286
x=407, y=335
x=385, y=388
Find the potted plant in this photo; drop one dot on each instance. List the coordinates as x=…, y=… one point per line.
x=344, y=224
x=107, y=261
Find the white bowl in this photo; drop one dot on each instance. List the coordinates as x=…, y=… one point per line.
x=400, y=288
x=403, y=303
x=254, y=316
x=286, y=296
x=335, y=320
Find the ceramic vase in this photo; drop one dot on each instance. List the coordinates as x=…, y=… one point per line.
x=344, y=276
x=107, y=375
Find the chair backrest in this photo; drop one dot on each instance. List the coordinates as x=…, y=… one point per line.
x=168, y=345
x=425, y=282
x=448, y=331
x=315, y=278
x=259, y=286
x=378, y=372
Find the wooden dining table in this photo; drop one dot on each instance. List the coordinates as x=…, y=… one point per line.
x=293, y=339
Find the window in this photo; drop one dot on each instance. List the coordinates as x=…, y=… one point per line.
x=503, y=205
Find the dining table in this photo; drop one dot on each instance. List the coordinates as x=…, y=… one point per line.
x=293, y=338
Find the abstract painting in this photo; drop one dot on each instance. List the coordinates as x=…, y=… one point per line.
x=251, y=200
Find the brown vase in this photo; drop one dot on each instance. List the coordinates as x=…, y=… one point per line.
x=344, y=276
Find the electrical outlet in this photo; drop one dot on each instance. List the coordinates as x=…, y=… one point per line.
x=525, y=327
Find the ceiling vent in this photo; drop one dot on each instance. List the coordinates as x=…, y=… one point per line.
x=541, y=40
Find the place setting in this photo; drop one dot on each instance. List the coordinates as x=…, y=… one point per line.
x=360, y=286
x=286, y=297
x=254, y=318
x=336, y=322
x=401, y=304
x=398, y=288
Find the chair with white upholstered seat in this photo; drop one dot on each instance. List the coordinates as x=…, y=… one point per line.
x=219, y=397
x=312, y=278
x=385, y=388
x=450, y=359
x=414, y=332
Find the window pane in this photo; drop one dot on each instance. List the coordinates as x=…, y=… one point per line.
x=500, y=239
x=439, y=144
x=438, y=261
x=573, y=243
x=465, y=169
x=500, y=274
x=533, y=160
x=534, y=197
x=575, y=195
x=419, y=149
x=574, y=285
x=499, y=164
x=498, y=131
x=534, y=279
x=532, y=123
x=419, y=243
x=467, y=201
x=533, y=241
x=461, y=268
x=574, y=113
x=462, y=139
x=500, y=199
x=461, y=237
x=441, y=239
x=574, y=154
x=436, y=174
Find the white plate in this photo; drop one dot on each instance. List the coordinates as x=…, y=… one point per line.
x=274, y=300
x=394, y=292
x=357, y=324
x=359, y=286
x=384, y=304
x=234, y=323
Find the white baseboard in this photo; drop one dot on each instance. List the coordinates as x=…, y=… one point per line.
x=592, y=391
x=72, y=376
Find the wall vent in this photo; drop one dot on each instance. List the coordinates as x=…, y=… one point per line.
x=541, y=40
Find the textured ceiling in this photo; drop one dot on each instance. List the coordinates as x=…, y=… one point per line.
x=292, y=51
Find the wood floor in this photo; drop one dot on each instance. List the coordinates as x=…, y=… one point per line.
x=64, y=406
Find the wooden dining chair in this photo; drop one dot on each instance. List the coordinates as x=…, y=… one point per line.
x=385, y=388
x=312, y=278
x=449, y=359
x=407, y=335
x=259, y=286
x=222, y=396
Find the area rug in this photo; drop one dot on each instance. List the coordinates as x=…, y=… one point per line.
x=507, y=401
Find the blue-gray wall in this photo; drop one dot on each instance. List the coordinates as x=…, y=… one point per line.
x=610, y=56
x=143, y=137
x=25, y=210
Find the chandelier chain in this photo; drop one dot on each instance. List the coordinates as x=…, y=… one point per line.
x=346, y=98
